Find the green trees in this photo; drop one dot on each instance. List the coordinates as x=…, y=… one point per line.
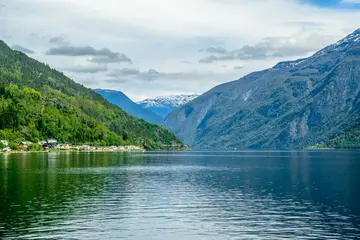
x=26, y=115
x=34, y=147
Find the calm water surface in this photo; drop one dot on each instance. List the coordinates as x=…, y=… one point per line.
x=193, y=195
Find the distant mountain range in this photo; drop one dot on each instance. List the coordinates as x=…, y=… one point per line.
x=163, y=105
x=121, y=100
x=152, y=110
x=295, y=104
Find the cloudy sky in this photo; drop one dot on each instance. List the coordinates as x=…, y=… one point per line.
x=148, y=48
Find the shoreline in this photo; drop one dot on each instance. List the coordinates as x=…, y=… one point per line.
x=72, y=148
x=67, y=151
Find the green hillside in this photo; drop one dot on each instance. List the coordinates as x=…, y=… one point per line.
x=348, y=139
x=38, y=102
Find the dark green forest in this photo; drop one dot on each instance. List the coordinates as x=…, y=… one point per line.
x=349, y=139
x=37, y=102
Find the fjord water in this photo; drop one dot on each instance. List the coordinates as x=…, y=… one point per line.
x=181, y=195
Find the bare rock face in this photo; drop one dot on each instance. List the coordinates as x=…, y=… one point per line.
x=292, y=105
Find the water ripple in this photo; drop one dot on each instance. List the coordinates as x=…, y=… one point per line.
x=219, y=197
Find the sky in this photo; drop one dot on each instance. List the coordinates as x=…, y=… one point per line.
x=149, y=48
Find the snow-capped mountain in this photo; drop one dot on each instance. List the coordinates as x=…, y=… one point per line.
x=165, y=104
x=293, y=105
x=345, y=43
x=333, y=49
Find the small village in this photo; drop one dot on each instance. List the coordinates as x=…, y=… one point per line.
x=53, y=145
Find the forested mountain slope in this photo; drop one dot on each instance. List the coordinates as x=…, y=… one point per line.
x=348, y=139
x=46, y=103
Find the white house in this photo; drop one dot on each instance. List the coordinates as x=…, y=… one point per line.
x=85, y=147
x=25, y=144
x=52, y=143
x=6, y=143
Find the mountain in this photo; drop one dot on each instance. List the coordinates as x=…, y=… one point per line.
x=295, y=104
x=163, y=105
x=37, y=102
x=121, y=100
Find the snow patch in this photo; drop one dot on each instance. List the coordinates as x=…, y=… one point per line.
x=339, y=46
x=246, y=95
x=173, y=100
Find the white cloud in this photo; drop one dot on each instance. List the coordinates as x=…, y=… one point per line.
x=87, y=68
x=299, y=44
x=165, y=34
